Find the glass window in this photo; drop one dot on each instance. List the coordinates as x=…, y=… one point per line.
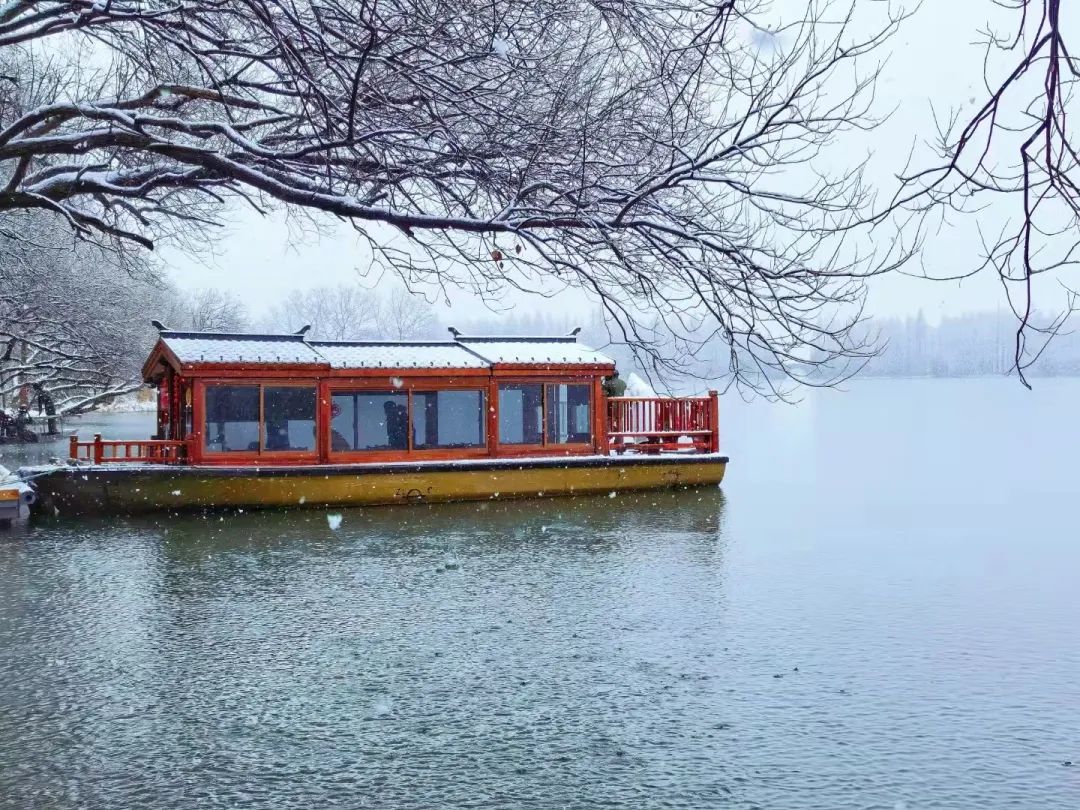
x=369, y=420
x=568, y=414
x=289, y=418
x=232, y=418
x=448, y=419
x=521, y=414
x=342, y=422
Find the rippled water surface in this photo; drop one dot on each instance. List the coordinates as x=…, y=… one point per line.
x=879, y=609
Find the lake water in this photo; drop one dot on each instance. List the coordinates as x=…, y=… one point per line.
x=879, y=609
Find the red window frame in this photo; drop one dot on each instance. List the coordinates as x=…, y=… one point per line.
x=405, y=385
x=546, y=447
x=262, y=455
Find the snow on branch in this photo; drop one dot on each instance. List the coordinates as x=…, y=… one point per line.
x=73, y=319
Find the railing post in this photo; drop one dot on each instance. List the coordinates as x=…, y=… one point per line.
x=609, y=421
x=714, y=421
x=99, y=449
x=73, y=447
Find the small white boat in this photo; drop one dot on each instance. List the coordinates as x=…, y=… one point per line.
x=16, y=497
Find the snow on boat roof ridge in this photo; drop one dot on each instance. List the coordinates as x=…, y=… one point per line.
x=321, y=342
x=516, y=338
x=191, y=334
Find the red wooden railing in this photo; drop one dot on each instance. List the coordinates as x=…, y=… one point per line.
x=653, y=424
x=135, y=450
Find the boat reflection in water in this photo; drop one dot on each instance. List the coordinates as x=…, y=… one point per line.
x=589, y=520
x=228, y=656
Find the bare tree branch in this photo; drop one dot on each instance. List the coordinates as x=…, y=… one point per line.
x=1015, y=150
x=665, y=159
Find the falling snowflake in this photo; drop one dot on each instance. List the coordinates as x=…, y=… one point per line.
x=334, y=521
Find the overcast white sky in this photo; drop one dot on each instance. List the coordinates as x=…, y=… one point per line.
x=932, y=60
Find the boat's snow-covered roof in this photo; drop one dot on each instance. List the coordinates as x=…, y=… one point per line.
x=372, y=354
x=214, y=347
x=463, y=352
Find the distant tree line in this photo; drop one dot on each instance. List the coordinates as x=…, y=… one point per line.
x=74, y=325
x=354, y=312
x=970, y=345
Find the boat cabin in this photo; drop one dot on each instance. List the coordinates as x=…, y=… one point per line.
x=282, y=399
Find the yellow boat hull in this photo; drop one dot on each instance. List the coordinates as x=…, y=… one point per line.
x=118, y=488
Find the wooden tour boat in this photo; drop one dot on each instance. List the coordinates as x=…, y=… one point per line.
x=255, y=421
